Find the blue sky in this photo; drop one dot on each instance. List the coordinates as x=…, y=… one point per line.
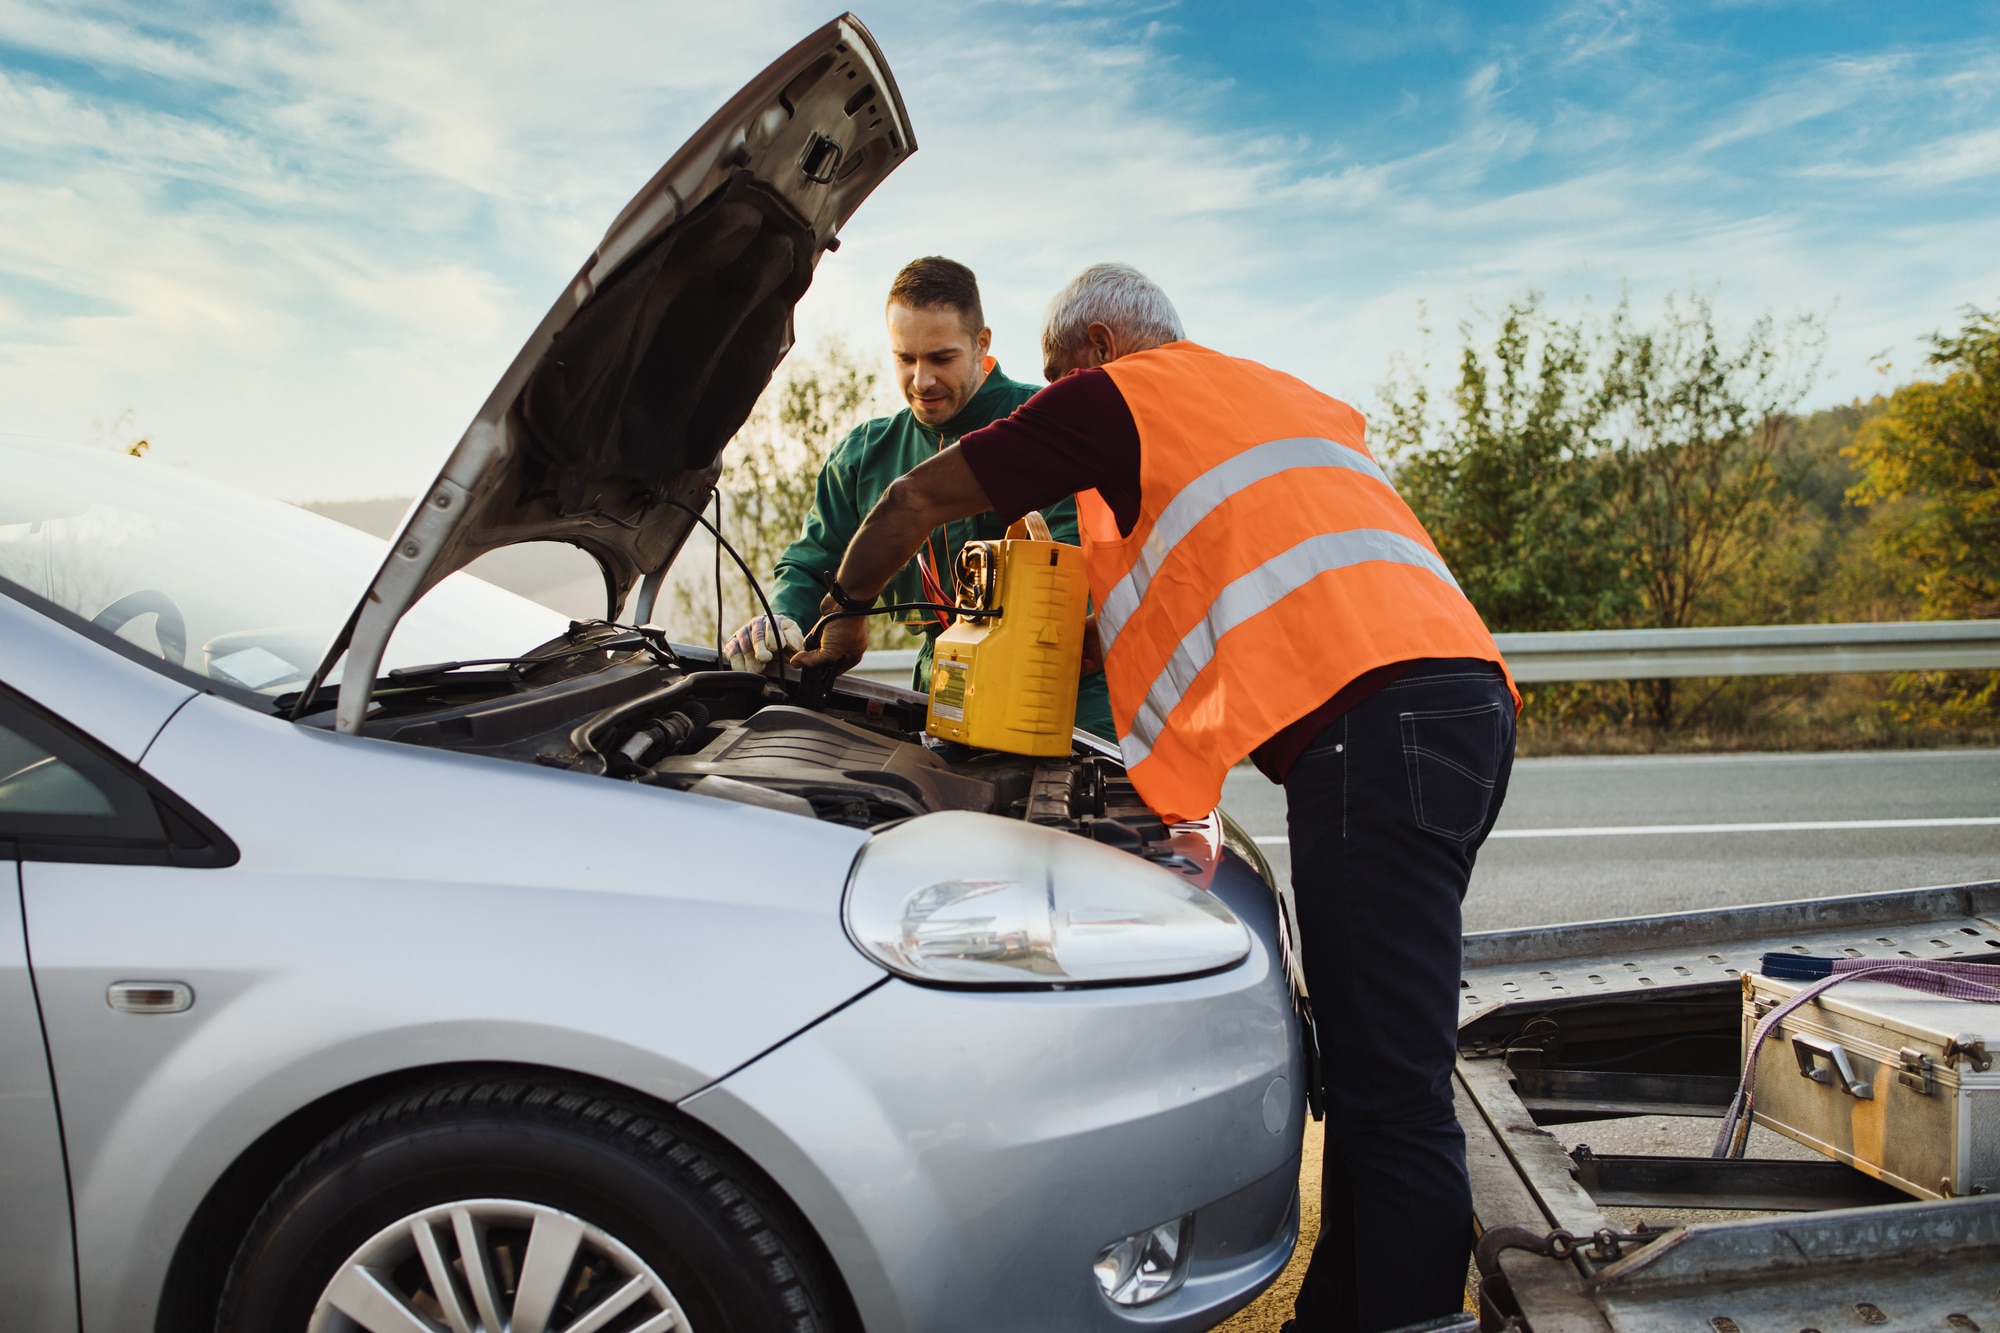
x=299, y=241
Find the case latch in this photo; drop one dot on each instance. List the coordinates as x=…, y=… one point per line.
x=1918, y=1072
x=1973, y=1048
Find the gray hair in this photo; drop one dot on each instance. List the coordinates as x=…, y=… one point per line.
x=1117, y=296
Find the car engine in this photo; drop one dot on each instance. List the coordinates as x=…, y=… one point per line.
x=855, y=753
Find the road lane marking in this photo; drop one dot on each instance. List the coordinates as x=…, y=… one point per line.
x=1631, y=830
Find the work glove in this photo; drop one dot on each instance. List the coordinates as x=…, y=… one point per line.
x=754, y=646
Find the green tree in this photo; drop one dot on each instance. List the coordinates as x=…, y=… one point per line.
x=1588, y=475
x=770, y=468
x=1701, y=433
x=1930, y=462
x=1838, y=573
x=1509, y=480
x=1705, y=476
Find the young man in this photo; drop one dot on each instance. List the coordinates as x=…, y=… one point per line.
x=1264, y=592
x=939, y=340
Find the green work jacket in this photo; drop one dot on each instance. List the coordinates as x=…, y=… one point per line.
x=860, y=468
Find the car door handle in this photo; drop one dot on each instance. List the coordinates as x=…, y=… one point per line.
x=150, y=997
x=1810, y=1050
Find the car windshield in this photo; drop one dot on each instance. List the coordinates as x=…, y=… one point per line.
x=243, y=590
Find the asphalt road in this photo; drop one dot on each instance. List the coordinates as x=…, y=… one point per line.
x=1586, y=838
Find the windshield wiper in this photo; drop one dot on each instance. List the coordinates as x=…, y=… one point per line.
x=404, y=677
x=634, y=639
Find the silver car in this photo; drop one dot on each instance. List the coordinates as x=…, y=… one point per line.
x=391, y=953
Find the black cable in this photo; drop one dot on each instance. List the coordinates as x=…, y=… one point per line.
x=964, y=613
x=718, y=576
x=1628, y=1056
x=741, y=564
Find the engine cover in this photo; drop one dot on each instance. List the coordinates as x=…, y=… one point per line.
x=848, y=773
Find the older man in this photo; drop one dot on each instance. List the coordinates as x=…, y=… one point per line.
x=1264, y=592
x=938, y=340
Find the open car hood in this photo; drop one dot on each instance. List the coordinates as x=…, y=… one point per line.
x=607, y=429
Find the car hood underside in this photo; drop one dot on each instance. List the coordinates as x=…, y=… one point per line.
x=606, y=431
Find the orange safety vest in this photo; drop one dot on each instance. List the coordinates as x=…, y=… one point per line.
x=1271, y=564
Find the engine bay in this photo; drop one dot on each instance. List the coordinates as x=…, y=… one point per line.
x=853, y=753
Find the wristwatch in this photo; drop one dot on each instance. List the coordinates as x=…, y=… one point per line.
x=845, y=602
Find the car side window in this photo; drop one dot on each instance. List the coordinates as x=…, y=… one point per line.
x=35, y=782
x=65, y=798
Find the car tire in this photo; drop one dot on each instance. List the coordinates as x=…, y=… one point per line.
x=458, y=1187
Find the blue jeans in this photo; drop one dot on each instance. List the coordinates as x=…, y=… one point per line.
x=1386, y=810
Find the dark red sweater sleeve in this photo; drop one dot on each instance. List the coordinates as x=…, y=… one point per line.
x=1076, y=435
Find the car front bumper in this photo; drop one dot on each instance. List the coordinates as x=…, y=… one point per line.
x=965, y=1155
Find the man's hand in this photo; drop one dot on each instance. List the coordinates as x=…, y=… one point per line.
x=926, y=497
x=841, y=643
x=1093, y=649
x=754, y=646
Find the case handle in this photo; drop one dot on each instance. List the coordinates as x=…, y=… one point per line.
x=1809, y=1050
x=1030, y=525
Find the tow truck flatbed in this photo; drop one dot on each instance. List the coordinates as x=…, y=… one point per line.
x=1642, y=1016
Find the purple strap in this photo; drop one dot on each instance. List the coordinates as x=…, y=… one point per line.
x=1953, y=981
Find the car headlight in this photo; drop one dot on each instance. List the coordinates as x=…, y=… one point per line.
x=966, y=899
x=1237, y=840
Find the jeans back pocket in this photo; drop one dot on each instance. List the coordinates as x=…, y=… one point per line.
x=1452, y=758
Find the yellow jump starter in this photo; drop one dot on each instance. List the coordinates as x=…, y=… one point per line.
x=1008, y=682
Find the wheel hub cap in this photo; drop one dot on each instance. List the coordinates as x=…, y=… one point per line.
x=495, y=1266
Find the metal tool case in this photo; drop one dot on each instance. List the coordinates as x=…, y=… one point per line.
x=1894, y=1082
x=1590, y=1021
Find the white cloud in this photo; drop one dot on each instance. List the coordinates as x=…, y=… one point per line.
x=310, y=245
x=302, y=249
x=1594, y=30
x=1821, y=90
x=1949, y=160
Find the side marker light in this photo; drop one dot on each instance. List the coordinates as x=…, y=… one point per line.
x=150, y=997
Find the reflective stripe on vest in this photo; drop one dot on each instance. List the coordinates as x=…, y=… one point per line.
x=1270, y=564
x=1200, y=497
x=1257, y=592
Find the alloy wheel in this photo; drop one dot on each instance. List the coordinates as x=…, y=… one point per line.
x=495, y=1266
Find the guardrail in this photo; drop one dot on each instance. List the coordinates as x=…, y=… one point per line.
x=1754, y=650
x=891, y=666
x=1734, y=650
